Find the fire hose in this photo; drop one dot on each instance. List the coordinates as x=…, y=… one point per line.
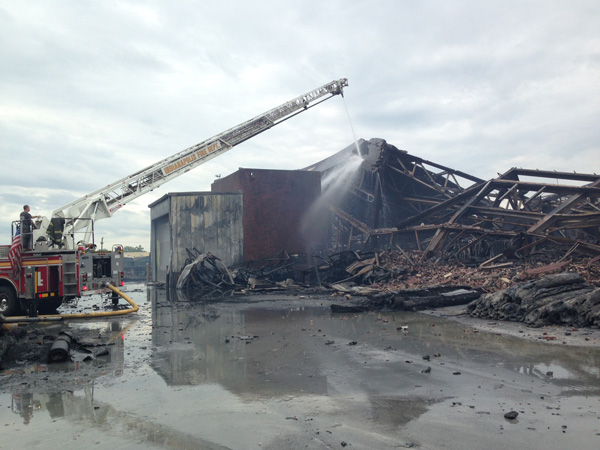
x=53, y=317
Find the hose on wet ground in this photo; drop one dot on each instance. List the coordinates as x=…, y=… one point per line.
x=54, y=317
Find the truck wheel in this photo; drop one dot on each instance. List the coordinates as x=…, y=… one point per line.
x=9, y=305
x=49, y=305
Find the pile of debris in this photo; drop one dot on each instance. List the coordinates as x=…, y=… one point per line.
x=395, y=279
x=205, y=276
x=423, y=298
x=416, y=271
x=561, y=299
x=420, y=283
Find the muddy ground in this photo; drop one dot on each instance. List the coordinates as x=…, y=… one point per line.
x=283, y=371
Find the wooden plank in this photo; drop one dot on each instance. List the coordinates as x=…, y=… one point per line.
x=550, y=218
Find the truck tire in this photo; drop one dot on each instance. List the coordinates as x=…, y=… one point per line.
x=9, y=304
x=49, y=305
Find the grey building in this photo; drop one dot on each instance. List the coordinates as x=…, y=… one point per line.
x=206, y=221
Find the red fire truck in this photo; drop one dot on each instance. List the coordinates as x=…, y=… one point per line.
x=63, y=263
x=41, y=278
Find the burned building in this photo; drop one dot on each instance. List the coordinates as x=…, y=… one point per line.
x=371, y=196
x=392, y=198
x=371, y=186
x=252, y=214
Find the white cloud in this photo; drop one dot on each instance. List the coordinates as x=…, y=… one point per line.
x=92, y=91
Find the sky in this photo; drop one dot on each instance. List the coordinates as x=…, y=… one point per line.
x=92, y=91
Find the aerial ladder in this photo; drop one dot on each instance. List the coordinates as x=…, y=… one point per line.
x=63, y=263
x=79, y=215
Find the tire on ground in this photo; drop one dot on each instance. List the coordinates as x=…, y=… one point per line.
x=9, y=303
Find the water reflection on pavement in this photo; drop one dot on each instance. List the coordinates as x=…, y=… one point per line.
x=257, y=373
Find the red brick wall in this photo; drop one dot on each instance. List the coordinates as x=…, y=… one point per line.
x=275, y=203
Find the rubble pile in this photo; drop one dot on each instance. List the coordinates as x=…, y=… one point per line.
x=561, y=299
x=358, y=268
x=392, y=280
x=413, y=270
x=206, y=270
x=420, y=283
x=205, y=276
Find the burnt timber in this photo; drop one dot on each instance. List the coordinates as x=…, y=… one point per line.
x=397, y=200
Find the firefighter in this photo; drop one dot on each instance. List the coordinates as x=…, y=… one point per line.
x=55, y=231
x=27, y=227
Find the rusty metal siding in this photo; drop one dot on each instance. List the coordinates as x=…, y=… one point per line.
x=206, y=221
x=161, y=248
x=276, y=203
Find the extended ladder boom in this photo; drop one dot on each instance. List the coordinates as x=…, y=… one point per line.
x=104, y=202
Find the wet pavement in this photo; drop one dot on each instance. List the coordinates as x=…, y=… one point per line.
x=284, y=372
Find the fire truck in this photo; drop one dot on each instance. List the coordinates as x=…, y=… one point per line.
x=41, y=278
x=63, y=262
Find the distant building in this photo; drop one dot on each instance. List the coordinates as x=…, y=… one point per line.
x=135, y=265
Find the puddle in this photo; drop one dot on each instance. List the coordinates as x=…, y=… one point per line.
x=253, y=373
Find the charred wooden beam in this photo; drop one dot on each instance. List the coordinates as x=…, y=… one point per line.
x=351, y=220
x=563, y=189
x=516, y=172
x=465, y=175
x=551, y=217
x=434, y=187
x=440, y=207
x=440, y=236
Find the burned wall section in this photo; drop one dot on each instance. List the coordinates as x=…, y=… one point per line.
x=204, y=221
x=388, y=186
x=275, y=203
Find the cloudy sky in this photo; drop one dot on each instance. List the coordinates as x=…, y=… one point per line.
x=91, y=91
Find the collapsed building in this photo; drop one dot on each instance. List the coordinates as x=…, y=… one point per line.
x=397, y=199
x=372, y=196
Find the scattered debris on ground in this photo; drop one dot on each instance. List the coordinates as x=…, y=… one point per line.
x=405, y=280
x=49, y=344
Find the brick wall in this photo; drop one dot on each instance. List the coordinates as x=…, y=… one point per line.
x=275, y=207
